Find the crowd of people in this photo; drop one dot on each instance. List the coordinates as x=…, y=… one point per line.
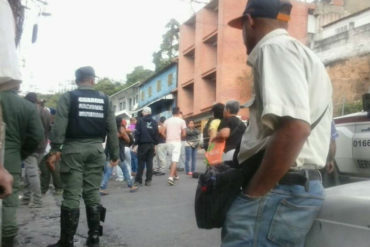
x=168, y=142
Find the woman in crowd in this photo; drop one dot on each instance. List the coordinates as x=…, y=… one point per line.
x=125, y=140
x=191, y=146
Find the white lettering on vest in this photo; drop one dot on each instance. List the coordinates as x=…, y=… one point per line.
x=91, y=107
x=90, y=100
x=90, y=114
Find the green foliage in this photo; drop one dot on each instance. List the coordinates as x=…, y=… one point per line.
x=138, y=74
x=104, y=85
x=108, y=87
x=169, y=47
x=350, y=108
x=51, y=99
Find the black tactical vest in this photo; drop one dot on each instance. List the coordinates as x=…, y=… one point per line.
x=87, y=114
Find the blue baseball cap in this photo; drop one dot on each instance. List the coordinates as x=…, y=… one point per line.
x=274, y=9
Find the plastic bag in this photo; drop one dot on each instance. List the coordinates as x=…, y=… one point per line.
x=215, y=152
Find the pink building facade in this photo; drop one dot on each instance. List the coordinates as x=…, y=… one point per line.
x=212, y=57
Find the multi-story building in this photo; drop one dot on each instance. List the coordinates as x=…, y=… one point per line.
x=125, y=102
x=33, y=11
x=343, y=46
x=212, y=57
x=158, y=92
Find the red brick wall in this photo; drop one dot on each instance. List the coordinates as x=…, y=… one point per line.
x=350, y=79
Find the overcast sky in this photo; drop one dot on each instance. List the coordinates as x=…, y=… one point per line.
x=113, y=36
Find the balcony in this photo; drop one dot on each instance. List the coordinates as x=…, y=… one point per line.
x=188, y=83
x=189, y=51
x=210, y=74
x=206, y=109
x=211, y=38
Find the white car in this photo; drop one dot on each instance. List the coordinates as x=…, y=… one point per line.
x=344, y=220
x=353, y=147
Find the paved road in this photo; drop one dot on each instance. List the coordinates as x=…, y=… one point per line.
x=155, y=216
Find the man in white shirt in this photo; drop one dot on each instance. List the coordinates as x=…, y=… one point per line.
x=290, y=121
x=174, y=128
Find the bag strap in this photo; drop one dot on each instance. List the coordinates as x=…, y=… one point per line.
x=319, y=119
x=237, y=149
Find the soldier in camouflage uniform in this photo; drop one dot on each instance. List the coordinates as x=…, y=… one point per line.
x=83, y=120
x=24, y=130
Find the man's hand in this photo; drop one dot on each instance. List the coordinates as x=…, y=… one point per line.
x=330, y=165
x=52, y=160
x=134, y=149
x=281, y=153
x=113, y=163
x=6, y=183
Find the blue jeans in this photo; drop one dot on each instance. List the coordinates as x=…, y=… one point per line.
x=108, y=173
x=181, y=163
x=191, y=155
x=281, y=218
x=134, y=161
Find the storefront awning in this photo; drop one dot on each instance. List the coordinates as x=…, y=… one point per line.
x=166, y=97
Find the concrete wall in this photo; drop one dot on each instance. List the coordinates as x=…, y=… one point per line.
x=299, y=20
x=216, y=66
x=353, y=6
x=350, y=79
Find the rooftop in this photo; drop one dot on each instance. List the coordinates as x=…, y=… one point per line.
x=347, y=17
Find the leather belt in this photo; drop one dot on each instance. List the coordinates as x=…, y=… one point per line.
x=300, y=177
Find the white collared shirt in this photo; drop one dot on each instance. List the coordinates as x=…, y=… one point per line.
x=289, y=80
x=9, y=68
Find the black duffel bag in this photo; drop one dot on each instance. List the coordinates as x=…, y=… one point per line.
x=218, y=187
x=221, y=184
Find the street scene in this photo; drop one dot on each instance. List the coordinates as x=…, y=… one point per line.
x=185, y=123
x=154, y=216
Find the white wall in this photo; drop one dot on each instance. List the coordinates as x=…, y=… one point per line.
x=343, y=25
x=356, y=44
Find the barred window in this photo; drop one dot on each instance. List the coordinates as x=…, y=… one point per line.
x=159, y=85
x=170, y=79
x=150, y=91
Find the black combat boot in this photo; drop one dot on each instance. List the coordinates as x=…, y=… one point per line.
x=68, y=226
x=7, y=242
x=93, y=214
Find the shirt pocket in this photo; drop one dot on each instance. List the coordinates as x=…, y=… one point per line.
x=293, y=220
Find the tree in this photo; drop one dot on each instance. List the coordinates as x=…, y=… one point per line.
x=138, y=74
x=169, y=47
x=108, y=87
x=51, y=99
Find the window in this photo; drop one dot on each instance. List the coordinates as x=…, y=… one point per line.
x=130, y=104
x=159, y=85
x=120, y=106
x=170, y=79
x=142, y=95
x=136, y=99
x=149, y=91
x=114, y=108
x=124, y=105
